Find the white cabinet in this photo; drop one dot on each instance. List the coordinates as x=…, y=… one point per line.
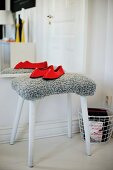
x=12, y=53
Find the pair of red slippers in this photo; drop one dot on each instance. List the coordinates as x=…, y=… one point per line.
x=29, y=65
x=41, y=70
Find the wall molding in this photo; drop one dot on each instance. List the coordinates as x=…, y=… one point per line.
x=42, y=130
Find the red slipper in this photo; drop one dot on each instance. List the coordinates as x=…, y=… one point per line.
x=19, y=65
x=29, y=65
x=54, y=74
x=40, y=72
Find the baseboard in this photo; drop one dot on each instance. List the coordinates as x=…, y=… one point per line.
x=42, y=130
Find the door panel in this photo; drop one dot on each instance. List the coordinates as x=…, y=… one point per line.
x=65, y=34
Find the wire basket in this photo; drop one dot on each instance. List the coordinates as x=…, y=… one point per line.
x=101, y=127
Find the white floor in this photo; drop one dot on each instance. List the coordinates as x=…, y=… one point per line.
x=57, y=153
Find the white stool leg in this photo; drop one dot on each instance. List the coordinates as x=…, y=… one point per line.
x=69, y=115
x=16, y=120
x=86, y=123
x=31, y=131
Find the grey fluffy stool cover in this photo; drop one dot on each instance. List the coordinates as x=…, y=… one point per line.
x=33, y=89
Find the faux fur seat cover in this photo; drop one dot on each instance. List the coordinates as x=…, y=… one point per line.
x=32, y=89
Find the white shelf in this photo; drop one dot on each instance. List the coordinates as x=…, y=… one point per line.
x=14, y=75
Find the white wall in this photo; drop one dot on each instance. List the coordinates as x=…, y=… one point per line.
x=96, y=46
x=100, y=50
x=51, y=111
x=108, y=81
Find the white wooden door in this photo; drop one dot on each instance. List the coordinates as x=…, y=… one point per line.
x=65, y=34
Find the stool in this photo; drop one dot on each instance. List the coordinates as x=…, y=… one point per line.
x=35, y=89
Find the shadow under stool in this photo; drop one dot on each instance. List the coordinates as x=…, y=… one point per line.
x=35, y=89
